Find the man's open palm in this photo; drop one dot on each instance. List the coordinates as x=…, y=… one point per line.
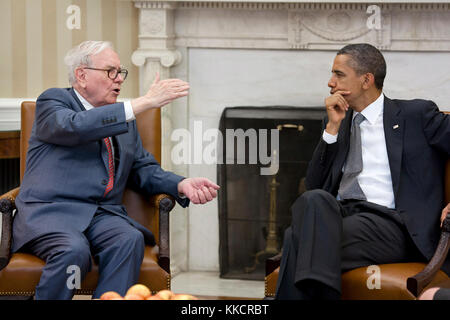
x=198, y=190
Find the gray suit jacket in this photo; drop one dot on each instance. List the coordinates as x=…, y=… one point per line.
x=67, y=163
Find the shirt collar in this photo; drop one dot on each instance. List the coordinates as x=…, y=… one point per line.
x=373, y=110
x=84, y=102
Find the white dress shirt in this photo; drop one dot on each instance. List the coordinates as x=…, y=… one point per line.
x=129, y=114
x=375, y=178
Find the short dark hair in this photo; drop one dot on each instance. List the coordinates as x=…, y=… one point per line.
x=365, y=58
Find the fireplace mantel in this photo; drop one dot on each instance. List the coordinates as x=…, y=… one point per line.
x=203, y=3
x=308, y=25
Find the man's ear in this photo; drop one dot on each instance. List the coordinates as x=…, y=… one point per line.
x=80, y=76
x=368, y=80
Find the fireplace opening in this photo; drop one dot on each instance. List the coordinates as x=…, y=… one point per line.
x=254, y=208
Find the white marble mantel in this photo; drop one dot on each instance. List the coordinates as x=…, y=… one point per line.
x=406, y=25
x=262, y=52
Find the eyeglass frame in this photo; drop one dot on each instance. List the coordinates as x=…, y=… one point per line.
x=119, y=71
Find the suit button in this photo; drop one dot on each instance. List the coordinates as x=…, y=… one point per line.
x=104, y=182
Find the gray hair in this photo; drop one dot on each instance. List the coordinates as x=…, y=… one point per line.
x=81, y=55
x=365, y=58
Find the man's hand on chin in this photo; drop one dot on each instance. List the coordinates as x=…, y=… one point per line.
x=198, y=190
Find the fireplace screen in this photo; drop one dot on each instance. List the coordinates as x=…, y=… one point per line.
x=256, y=194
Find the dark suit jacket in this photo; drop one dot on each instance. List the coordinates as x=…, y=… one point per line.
x=417, y=150
x=67, y=163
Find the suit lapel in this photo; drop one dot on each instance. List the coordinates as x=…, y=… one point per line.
x=103, y=149
x=74, y=95
x=118, y=151
x=343, y=146
x=104, y=155
x=393, y=131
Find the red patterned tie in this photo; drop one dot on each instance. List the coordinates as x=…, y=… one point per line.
x=110, y=184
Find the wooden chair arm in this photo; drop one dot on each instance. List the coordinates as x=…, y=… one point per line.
x=273, y=263
x=11, y=195
x=6, y=209
x=164, y=203
x=417, y=283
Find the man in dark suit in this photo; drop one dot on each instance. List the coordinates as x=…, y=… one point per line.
x=375, y=187
x=84, y=149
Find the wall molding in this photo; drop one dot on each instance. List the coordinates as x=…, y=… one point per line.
x=292, y=5
x=10, y=113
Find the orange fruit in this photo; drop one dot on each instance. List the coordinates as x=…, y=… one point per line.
x=110, y=295
x=165, y=294
x=131, y=296
x=140, y=290
x=184, y=297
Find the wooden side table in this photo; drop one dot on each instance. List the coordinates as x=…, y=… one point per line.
x=9, y=144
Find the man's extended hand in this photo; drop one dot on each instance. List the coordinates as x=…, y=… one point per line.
x=198, y=190
x=445, y=211
x=161, y=92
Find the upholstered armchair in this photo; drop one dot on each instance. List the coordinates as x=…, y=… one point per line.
x=399, y=281
x=20, y=272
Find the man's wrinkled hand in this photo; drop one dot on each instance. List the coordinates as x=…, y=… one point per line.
x=445, y=211
x=161, y=92
x=198, y=190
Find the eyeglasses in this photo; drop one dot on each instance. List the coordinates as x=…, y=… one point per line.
x=113, y=72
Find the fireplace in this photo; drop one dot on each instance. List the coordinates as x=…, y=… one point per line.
x=254, y=203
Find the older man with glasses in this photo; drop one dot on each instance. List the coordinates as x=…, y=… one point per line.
x=83, y=149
